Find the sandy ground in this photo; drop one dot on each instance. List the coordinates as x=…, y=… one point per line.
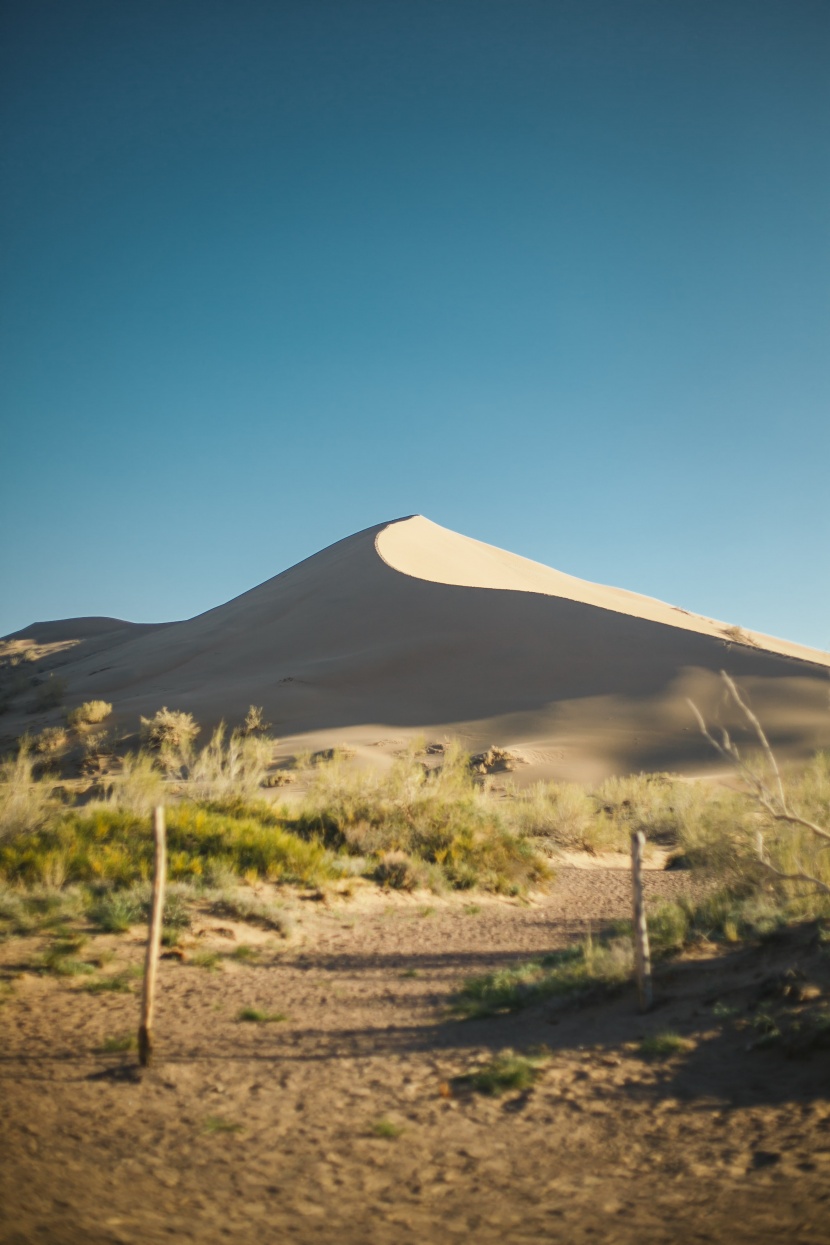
x=409, y=629
x=269, y=1132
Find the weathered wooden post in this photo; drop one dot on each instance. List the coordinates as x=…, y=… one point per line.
x=145, y=1029
x=641, y=948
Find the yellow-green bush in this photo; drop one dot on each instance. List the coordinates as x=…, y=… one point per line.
x=116, y=846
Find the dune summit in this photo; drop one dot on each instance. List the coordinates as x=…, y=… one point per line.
x=408, y=628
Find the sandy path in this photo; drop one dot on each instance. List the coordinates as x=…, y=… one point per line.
x=252, y=1132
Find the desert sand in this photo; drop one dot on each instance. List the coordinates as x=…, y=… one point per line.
x=347, y=1120
x=409, y=629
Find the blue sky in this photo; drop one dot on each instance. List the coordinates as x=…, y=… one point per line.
x=555, y=274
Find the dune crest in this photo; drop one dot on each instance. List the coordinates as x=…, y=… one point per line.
x=417, y=547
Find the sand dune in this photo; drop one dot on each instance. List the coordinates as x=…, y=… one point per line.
x=408, y=628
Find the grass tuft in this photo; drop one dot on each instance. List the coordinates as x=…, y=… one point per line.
x=211, y=960
x=255, y=1016
x=507, y=1071
x=244, y=953
x=663, y=1045
x=386, y=1128
x=117, y=1045
x=119, y=984
x=216, y=1124
x=577, y=971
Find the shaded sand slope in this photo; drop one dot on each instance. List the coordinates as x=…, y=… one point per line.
x=409, y=627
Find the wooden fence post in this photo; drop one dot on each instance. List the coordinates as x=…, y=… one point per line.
x=145, y=1030
x=641, y=947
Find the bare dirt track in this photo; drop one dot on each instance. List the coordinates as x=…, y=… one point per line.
x=343, y=1122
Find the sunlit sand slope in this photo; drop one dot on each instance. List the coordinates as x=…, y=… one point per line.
x=409, y=628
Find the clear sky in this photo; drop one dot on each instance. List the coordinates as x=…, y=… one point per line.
x=554, y=273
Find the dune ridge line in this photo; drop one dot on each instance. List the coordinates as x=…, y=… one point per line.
x=421, y=549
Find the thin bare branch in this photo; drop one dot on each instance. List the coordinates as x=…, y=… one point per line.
x=774, y=803
x=759, y=731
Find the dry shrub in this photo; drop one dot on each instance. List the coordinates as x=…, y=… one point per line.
x=437, y=816
x=51, y=742
x=796, y=860
x=398, y=871
x=254, y=723
x=561, y=812
x=233, y=767
x=568, y=816
x=90, y=713
x=495, y=760
x=171, y=733
x=737, y=635
x=280, y=779
x=647, y=802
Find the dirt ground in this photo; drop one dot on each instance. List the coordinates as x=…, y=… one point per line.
x=343, y=1122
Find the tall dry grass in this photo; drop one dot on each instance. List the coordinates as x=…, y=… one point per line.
x=232, y=765
x=138, y=786
x=26, y=801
